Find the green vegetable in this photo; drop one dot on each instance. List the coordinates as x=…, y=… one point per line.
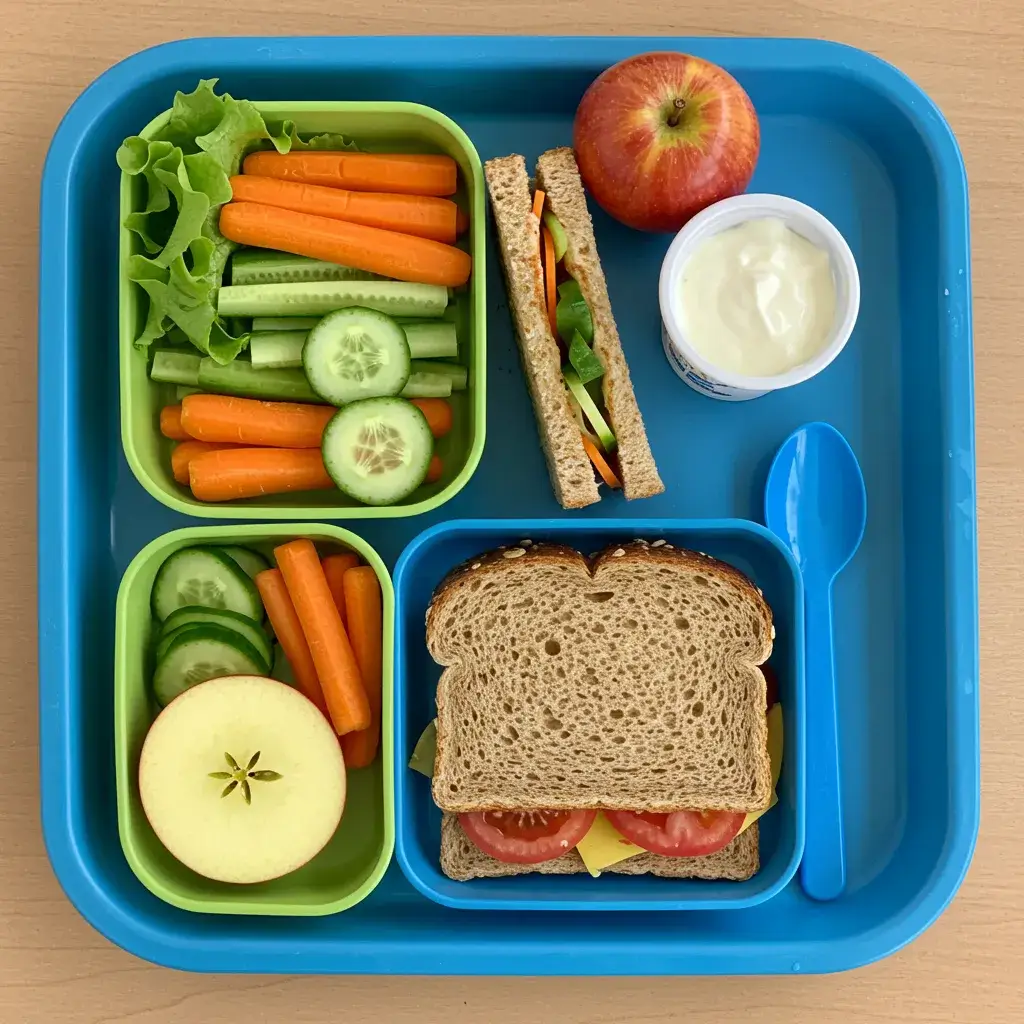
x=572, y=313
x=583, y=360
x=425, y=751
x=186, y=166
x=558, y=236
x=590, y=409
x=175, y=367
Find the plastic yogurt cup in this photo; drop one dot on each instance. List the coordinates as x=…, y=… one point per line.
x=693, y=366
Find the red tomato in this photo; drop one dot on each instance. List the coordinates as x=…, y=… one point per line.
x=681, y=833
x=771, y=681
x=526, y=837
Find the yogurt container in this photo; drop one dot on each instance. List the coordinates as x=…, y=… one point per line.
x=695, y=367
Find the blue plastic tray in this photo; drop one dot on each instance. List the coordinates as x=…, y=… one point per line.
x=426, y=561
x=841, y=131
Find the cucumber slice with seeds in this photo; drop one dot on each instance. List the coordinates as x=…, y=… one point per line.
x=356, y=353
x=252, y=562
x=199, y=653
x=378, y=450
x=204, y=576
x=396, y=298
x=195, y=615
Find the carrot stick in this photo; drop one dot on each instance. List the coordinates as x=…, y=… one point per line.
x=550, y=296
x=438, y=413
x=170, y=423
x=186, y=451
x=254, y=423
x=425, y=216
x=435, y=470
x=600, y=463
x=461, y=222
x=363, y=172
x=226, y=474
x=538, y=203
x=335, y=567
x=403, y=257
x=336, y=664
x=285, y=621
x=366, y=631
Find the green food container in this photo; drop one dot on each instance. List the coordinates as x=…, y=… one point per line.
x=374, y=127
x=354, y=861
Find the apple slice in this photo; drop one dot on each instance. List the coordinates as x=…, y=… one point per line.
x=242, y=779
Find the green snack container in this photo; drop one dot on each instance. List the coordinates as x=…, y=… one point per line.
x=348, y=869
x=374, y=127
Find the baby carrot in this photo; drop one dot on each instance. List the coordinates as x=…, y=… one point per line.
x=363, y=172
x=461, y=222
x=425, y=216
x=254, y=423
x=435, y=470
x=438, y=413
x=336, y=664
x=390, y=253
x=226, y=474
x=186, y=451
x=281, y=613
x=335, y=567
x=366, y=631
x=170, y=423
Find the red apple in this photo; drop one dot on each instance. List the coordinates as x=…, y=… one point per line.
x=660, y=136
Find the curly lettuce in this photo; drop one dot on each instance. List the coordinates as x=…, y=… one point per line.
x=186, y=165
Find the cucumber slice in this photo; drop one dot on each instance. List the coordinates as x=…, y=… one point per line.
x=378, y=450
x=356, y=353
x=431, y=340
x=456, y=372
x=175, y=367
x=199, y=653
x=241, y=378
x=590, y=410
x=195, y=615
x=558, y=236
x=284, y=323
x=252, y=562
x=262, y=266
x=396, y=298
x=427, y=385
x=204, y=576
x=275, y=350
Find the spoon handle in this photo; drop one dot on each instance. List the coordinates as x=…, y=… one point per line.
x=823, y=868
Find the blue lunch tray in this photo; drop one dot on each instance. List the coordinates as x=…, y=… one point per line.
x=841, y=131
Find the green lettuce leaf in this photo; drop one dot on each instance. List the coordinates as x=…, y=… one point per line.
x=586, y=364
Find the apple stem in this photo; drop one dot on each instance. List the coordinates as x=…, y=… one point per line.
x=677, y=113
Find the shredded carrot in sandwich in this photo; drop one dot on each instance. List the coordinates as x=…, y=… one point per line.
x=550, y=295
x=538, y=203
x=600, y=464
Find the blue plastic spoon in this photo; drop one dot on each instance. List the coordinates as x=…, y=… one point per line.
x=816, y=503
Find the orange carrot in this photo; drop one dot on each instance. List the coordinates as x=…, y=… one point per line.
x=538, y=203
x=366, y=631
x=461, y=222
x=186, y=451
x=336, y=664
x=362, y=172
x=425, y=216
x=230, y=473
x=600, y=463
x=435, y=470
x=170, y=423
x=550, y=296
x=254, y=423
x=403, y=257
x=283, y=618
x=335, y=567
x=438, y=413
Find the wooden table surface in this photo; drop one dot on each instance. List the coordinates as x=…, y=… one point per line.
x=967, y=54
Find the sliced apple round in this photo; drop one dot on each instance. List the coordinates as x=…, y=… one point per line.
x=242, y=779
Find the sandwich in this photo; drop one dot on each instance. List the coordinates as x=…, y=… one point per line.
x=610, y=703
x=575, y=368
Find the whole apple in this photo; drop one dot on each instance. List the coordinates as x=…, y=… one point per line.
x=660, y=136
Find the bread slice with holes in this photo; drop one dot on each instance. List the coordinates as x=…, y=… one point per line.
x=572, y=475
x=626, y=680
x=462, y=860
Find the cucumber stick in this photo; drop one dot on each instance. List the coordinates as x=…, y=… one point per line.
x=284, y=323
x=432, y=340
x=260, y=266
x=455, y=372
x=242, y=378
x=174, y=367
x=276, y=350
x=395, y=298
x=427, y=385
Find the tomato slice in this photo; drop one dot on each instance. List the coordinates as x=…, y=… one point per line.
x=771, y=682
x=526, y=837
x=681, y=833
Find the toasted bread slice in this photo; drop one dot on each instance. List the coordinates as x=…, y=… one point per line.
x=461, y=860
x=629, y=680
x=559, y=177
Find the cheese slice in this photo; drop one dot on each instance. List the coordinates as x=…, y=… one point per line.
x=604, y=845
